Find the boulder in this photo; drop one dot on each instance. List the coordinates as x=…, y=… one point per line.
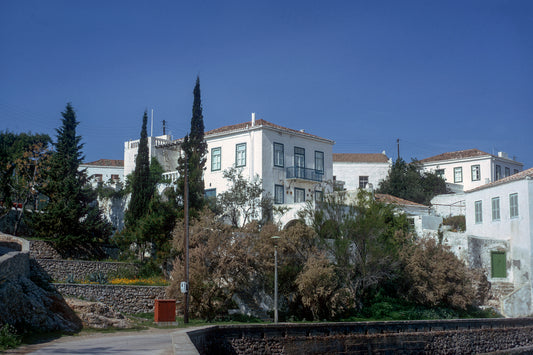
x=98, y=315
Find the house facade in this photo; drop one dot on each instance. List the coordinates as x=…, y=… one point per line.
x=499, y=225
x=468, y=169
x=104, y=171
x=359, y=170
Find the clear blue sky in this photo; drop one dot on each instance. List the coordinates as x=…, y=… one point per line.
x=440, y=75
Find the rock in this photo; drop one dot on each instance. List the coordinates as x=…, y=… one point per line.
x=98, y=315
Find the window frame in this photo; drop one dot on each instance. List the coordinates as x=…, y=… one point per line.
x=477, y=169
x=507, y=171
x=459, y=170
x=497, y=172
x=478, y=211
x=299, y=154
x=243, y=152
x=367, y=182
x=317, y=194
x=279, y=188
x=495, y=207
x=208, y=191
x=441, y=173
x=513, y=206
x=296, y=189
x=219, y=150
x=317, y=155
x=276, y=162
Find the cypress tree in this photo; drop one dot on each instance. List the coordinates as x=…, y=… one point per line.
x=71, y=215
x=195, y=148
x=142, y=186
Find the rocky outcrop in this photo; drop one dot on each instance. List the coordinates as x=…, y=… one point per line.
x=98, y=315
x=29, y=302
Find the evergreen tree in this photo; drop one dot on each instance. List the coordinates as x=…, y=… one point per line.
x=142, y=188
x=194, y=149
x=71, y=215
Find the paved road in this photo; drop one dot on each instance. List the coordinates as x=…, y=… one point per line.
x=157, y=342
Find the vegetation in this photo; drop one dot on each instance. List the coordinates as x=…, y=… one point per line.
x=407, y=181
x=71, y=216
x=457, y=223
x=8, y=337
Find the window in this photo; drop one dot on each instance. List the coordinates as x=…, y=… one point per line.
x=476, y=173
x=216, y=158
x=278, y=194
x=319, y=161
x=98, y=177
x=299, y=195
x=319, y=196
x=515, y=171
x=458, y=174
x=498, y=173
x=440, y=173
x=478, y=212
x=279, y=155
x=507, y=172
x=363, y=181
x=240, y=154
x=115, y=177
x=299, y=162
x=513, y=205
x=496, y=209
x=210, y=193
x=498, y=264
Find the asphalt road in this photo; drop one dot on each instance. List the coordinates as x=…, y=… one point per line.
x=157, y=342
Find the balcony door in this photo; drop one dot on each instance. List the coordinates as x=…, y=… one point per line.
x=299, y=162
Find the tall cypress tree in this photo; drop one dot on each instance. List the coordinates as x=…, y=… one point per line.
x=142, y=186
x=194, y=148
x=71, y=215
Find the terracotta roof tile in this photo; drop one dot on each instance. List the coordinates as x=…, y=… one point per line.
x=360, y=158
x=258, y=123
x=515, y=177
x=106, y=162
x=461, y=154
x=386, y=198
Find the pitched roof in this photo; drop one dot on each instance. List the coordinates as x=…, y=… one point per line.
x=360, y=158
x=106, y=162
x=386, y=198
x=524, y=174
x=461, y=154
x=258, y=123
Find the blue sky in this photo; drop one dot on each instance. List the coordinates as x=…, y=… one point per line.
x=439, y=75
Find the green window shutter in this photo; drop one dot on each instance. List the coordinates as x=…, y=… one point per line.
x=498, y=264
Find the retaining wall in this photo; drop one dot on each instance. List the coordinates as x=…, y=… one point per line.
x=123, y=298
x=425, y=337
x=61, y=270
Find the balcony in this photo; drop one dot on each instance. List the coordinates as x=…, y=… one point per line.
x=299, y=173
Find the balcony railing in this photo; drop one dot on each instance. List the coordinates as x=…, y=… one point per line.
x=296, y=172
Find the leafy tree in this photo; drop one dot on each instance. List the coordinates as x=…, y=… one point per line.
x=194, y=151
x=142, y=186
x=407, y=181
x=71, y=215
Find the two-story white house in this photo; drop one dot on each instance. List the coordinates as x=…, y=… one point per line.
x=359, y=170
x=104, y=170
x=294, y=165
x=471, y=168
x=499, y=225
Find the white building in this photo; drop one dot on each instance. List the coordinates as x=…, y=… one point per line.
x=357, y=170
x=468, y=169
x=294, y=165
x=499, y=225
x=104, y=170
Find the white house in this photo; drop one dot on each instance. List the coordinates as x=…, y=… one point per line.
x=294, y=165
x=357, y=170
x=104, y=170
x=471, y=168
x=499, y=225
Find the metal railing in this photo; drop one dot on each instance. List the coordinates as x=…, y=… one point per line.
x=296, y=172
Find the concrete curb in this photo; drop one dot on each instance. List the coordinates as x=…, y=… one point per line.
x=182, y=344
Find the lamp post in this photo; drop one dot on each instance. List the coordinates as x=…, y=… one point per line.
x=275, y=238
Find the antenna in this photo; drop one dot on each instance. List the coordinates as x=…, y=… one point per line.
x=152, y=125
x=164, y=128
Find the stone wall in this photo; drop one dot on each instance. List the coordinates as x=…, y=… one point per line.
x=123, y=298
x=61, y=270
x=430, y=337
x=40, y=249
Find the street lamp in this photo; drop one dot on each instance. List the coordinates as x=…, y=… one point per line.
x=275, y=238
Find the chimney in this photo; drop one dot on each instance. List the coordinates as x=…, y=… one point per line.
x=503, y=155
x=253, y=119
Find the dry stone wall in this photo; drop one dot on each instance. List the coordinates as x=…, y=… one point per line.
x=123, y=298
x=62, y=270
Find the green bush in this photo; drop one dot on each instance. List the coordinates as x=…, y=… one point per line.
x=8, y=337
x=458, y=223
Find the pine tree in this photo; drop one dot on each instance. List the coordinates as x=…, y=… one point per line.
x=71, y=215
x=142, y=186
x=194, y=149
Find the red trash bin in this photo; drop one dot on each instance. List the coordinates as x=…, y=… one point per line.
x=165, y=310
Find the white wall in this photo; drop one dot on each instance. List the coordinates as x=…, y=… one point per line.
x=350, y=172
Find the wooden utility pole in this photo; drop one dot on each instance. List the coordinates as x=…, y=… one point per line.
x=186, y=240
x=398, y=143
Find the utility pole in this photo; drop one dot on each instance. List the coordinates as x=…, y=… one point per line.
x=164, y=127
x=398, y=143
x=186, y=212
